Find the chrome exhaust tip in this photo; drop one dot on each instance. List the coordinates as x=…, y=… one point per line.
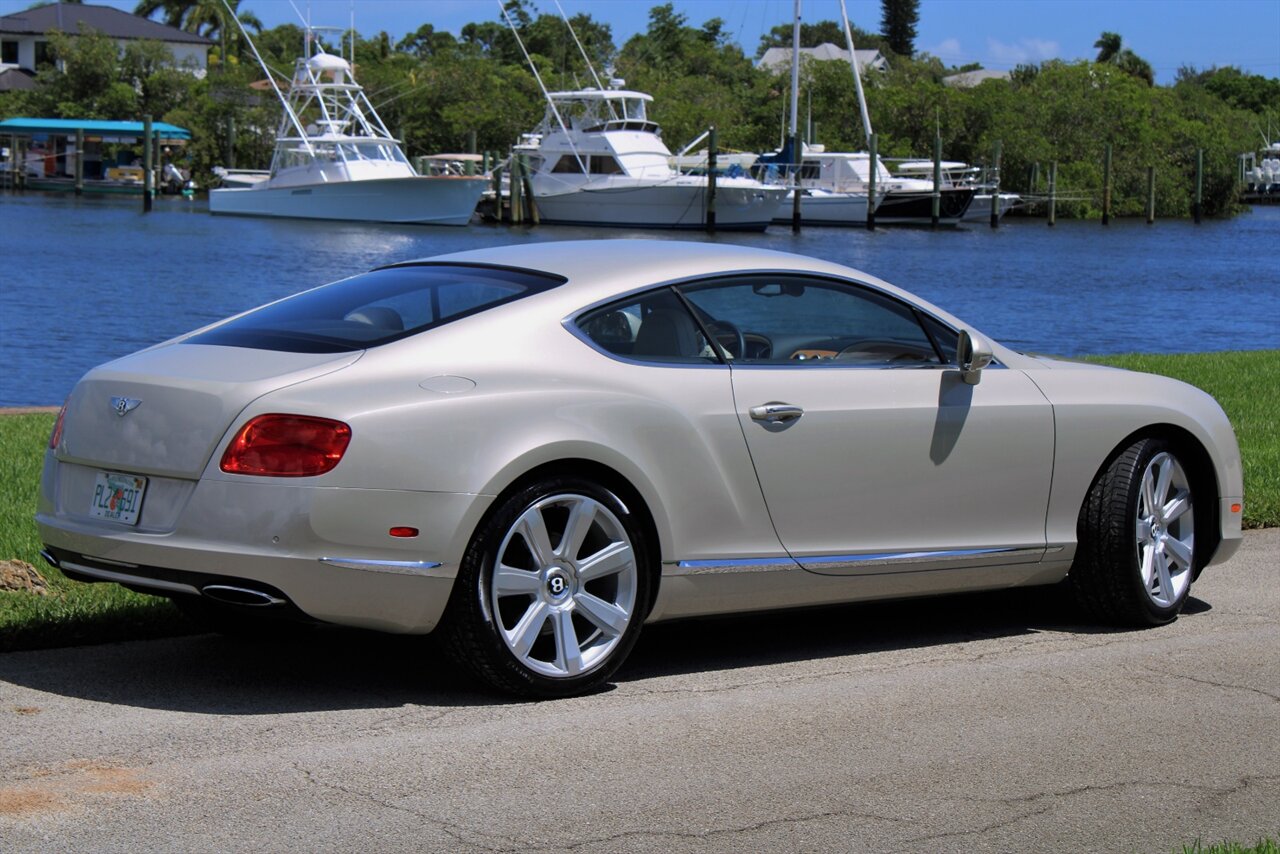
x=241, y=596
x=49, y=558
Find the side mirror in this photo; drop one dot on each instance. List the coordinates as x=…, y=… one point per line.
x=972, y=355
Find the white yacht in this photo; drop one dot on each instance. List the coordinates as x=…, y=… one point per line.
x=335, y=159
x=597, y=159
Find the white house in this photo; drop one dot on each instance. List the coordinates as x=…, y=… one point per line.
x=24, y=36
x=969, y=79
x=778, y=59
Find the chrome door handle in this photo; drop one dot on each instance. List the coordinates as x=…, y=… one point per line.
x=776, y=413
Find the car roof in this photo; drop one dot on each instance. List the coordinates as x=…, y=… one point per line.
x=598, y=269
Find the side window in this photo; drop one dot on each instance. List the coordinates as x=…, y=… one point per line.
x=655, y=327
x=567, y=163
x=945, y=337
x=800, y=321
x=603, y=164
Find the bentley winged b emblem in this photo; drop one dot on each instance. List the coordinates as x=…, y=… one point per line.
x=124, y=405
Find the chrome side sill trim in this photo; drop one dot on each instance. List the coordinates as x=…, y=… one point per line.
x=133, y=580
x=727, y=565
x=395, y=567
x=907, y=558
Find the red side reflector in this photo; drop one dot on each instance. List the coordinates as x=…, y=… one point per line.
x=403, y=532
x=287, y=446
x=1236, y=508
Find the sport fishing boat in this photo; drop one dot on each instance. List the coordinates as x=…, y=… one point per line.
x=335, y=159
x=597, y=159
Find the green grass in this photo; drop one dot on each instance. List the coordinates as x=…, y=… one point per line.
x=73, y=613
x=1245, y=383
x=1264, y=846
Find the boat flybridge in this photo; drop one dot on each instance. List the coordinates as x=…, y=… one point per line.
x=597, y=159
x=335, y=159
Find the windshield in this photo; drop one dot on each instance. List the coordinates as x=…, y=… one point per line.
x=376, y=308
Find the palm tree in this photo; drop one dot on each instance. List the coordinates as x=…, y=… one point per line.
x=1108, y=46
x=1111, y=52
x=207, y=18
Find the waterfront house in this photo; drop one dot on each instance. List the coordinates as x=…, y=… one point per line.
x=778, y=59
x=24, y=37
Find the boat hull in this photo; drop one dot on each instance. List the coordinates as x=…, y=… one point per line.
x=915, y=207
x=980, y=209
x=418, y=200
x=670, y=205
x=822, y=207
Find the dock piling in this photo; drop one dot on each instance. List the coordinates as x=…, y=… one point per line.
x=515, y=192
x=712, y=143
x=937, y=179
x=148, y=179
x=995, y=186
x=798, y=154
x=871, y=183
x=79, y=171
x=526, y=179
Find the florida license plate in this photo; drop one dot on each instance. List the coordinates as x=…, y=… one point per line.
x=118, y=497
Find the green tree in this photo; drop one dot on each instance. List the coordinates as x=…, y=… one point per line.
x=898, y=23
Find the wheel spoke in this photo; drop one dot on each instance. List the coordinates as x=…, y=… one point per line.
x=1162, y=484
x=568, y=654
x=1162, y=573
x=1180, y=550
x=613, y=558
x=581, y=518
x=1180, y=504
x=533, y=528
x=1147, y=506
x=510, y=581
x=1148, y=565
x=609, y=618
x=525, y=633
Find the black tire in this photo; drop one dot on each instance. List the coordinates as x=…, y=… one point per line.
x=482, y=625
x=1116, y=535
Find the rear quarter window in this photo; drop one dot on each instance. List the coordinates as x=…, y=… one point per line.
x=376, y=308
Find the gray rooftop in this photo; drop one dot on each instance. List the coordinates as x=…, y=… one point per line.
x=69, y=17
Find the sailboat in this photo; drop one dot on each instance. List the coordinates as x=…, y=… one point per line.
x=836, y=187
x=335, y=159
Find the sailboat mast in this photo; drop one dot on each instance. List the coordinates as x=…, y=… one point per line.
x=795, y=75
x=857, y=75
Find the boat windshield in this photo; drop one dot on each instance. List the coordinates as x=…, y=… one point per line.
x=610, y=112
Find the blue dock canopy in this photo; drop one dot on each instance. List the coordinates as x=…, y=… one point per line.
x=91, y=127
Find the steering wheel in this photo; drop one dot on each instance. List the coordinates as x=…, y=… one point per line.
x=722, y=329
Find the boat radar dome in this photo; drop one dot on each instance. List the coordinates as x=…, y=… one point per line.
x=617, y=83
x=323, y=62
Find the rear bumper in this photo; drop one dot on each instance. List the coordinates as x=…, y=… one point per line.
x=326, y=550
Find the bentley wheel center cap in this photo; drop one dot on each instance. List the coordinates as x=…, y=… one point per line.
x=559, y=584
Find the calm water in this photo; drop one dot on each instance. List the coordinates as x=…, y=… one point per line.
x=84, y=281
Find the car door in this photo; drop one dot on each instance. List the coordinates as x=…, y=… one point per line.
x=872, y=452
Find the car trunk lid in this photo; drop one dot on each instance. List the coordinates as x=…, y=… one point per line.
x=163, y=411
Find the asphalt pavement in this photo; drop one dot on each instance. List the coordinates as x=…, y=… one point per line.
x=993, y=722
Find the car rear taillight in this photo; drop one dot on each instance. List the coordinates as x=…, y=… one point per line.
x=56, y=436
x=286, y=446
